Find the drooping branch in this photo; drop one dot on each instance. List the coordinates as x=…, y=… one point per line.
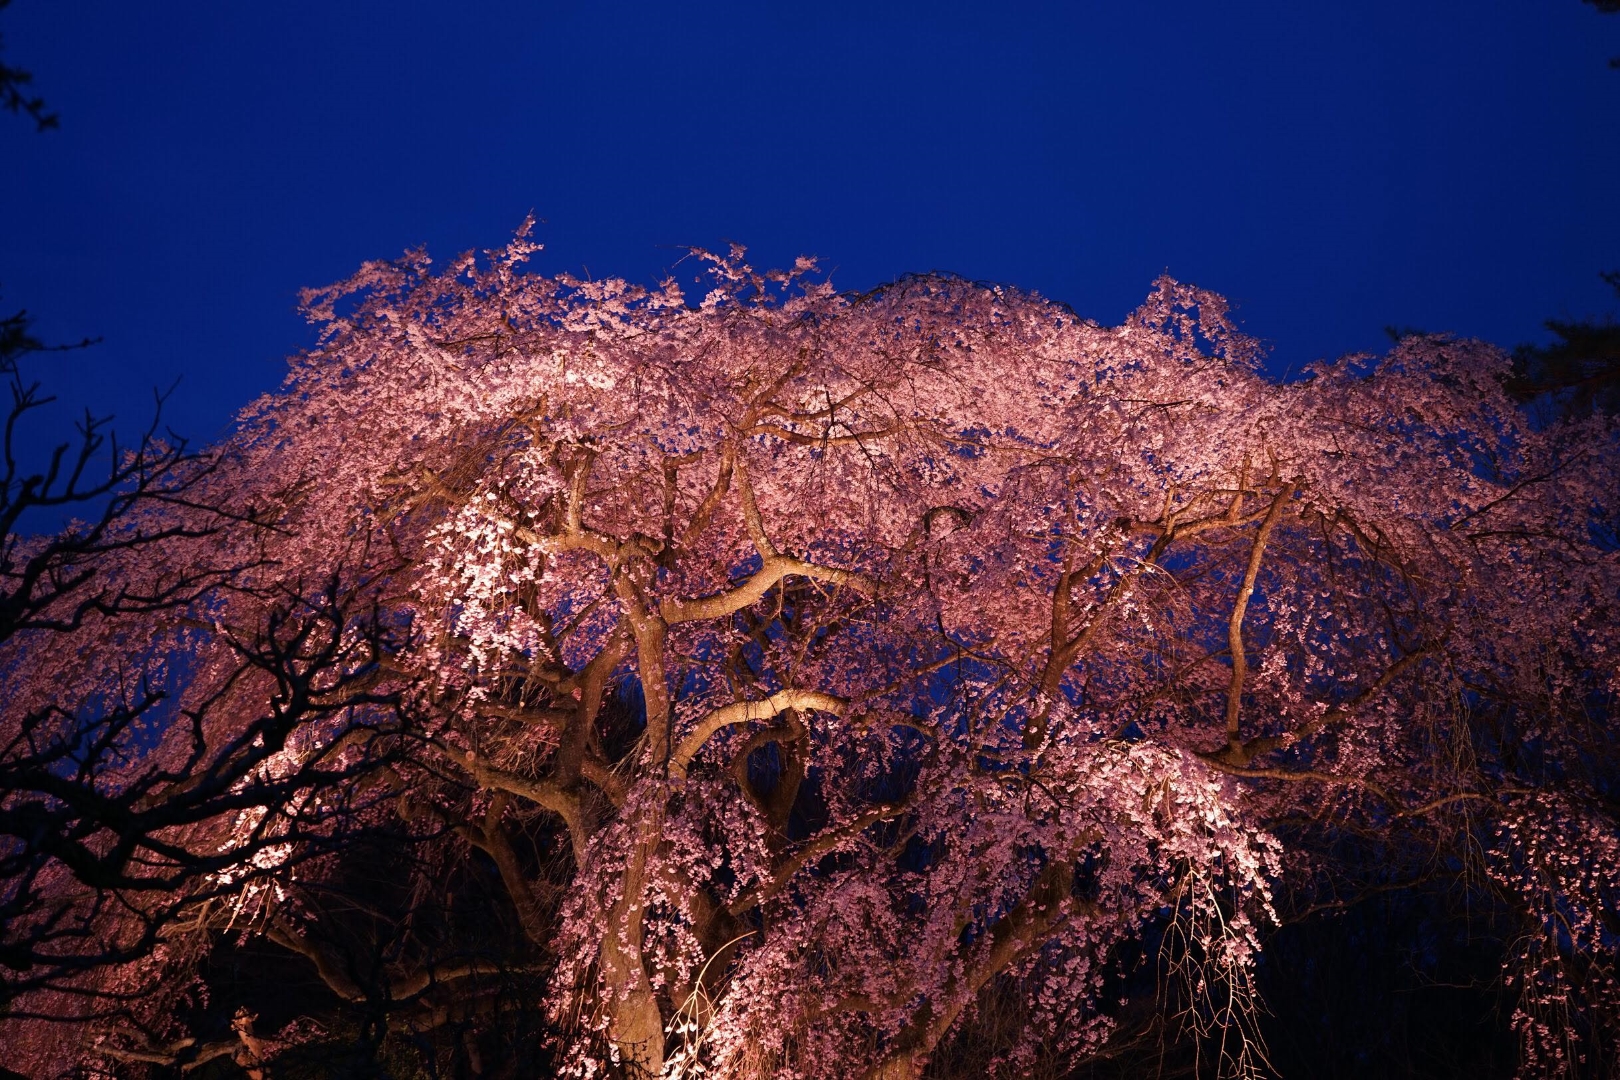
x=775, y=568
x=742, y=712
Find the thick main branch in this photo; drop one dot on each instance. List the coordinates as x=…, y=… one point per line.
x=775, y=568
x=741, y=712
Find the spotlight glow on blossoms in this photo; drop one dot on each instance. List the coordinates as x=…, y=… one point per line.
x=833, y=685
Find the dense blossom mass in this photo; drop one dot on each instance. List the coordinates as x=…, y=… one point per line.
x=777, y=682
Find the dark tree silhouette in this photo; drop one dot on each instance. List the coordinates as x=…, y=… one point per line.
x=14, y=83
x=1580, y=371
x=1608, y=7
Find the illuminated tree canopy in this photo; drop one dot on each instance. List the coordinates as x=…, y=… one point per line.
x=770, y=681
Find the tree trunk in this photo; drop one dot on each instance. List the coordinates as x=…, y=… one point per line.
x=637, y=1028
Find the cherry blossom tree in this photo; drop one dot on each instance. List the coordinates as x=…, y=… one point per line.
x=829, y=681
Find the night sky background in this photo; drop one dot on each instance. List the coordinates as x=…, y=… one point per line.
x=1332, y=166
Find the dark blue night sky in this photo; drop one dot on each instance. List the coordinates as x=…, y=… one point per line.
x=1332, y=166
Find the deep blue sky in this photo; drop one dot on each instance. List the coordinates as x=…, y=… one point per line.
x=1332, y=166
